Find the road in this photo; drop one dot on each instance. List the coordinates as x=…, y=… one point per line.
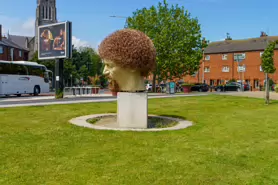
x=50, y=100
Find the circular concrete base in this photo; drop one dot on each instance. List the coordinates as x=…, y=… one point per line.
x=83, y=122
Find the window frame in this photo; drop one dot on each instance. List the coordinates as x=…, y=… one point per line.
x=206, y=71
x=207, y=59
x=227, y=69
x=226, y=55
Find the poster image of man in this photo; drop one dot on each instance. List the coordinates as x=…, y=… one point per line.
x=59, y=41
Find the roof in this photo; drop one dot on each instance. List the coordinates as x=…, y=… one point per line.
x=20, y=40
x=9, y=43
x=251, y=44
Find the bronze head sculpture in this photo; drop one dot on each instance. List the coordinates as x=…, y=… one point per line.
x=129, y=55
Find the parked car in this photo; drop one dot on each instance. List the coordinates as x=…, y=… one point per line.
x=200, y=87
x=149, y=87
x=233, y=86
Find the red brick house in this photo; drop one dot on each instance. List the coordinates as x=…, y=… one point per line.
x=11, y=51
x=220, y=62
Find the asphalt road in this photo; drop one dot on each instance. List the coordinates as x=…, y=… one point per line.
x=49, y=100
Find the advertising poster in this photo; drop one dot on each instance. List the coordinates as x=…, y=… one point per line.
x=54, y=41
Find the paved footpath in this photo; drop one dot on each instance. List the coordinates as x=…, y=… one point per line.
x=50, y=100
x=254, y=94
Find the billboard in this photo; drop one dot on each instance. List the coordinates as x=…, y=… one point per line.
x=55, y=41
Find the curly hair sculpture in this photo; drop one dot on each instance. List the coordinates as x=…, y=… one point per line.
x=130, y=49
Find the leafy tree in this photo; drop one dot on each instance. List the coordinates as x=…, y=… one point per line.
x=83, y=72
x=84, y=62
x=268, y=66
x=70, y=72
x=176, y=36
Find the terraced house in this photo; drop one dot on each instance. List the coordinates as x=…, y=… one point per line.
x=11, y=51
x=235, y=59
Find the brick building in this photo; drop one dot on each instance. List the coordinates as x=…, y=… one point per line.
x=45, y=14
x=10, y=51
x=220, y=63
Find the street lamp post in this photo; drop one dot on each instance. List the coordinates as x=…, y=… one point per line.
x=121, y=17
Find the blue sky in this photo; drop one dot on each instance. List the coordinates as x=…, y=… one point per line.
x=91, y=21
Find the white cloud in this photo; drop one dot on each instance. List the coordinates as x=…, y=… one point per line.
x=79, y=43
x=17, y=26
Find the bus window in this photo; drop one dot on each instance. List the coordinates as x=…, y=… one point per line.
x=36, y=71
x=18, y=69
x=46, y=77
x=5, y=68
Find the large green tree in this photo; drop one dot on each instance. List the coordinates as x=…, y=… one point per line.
x=268, y=66
x=176, y=36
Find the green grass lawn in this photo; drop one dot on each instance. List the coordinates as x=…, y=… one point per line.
x=234, y=140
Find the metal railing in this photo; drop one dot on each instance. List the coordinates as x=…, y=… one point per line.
x=80, y=91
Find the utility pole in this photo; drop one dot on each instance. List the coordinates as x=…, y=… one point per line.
x=203, y=63
x=266, y=79
x=203, y=66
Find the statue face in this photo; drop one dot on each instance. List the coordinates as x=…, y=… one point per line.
x=123, y=78
x=111, y=70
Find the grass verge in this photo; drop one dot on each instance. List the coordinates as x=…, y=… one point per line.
x=233, y=141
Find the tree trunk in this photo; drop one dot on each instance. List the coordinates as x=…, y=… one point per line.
x=154, y=85
x=266, y=89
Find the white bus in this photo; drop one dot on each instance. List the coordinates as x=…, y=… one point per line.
x=23, y=77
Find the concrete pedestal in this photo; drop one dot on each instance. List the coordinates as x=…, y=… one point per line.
x=132, y=110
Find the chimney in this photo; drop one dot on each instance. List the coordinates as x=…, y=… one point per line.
x=228, y=37
x=263, y=34
x=0, y=32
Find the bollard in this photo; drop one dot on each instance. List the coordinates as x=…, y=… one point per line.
x=73, y=91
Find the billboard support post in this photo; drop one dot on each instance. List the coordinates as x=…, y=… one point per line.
x=55, y=42
x=59, y=80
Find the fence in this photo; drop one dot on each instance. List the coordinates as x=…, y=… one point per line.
x=80, y=91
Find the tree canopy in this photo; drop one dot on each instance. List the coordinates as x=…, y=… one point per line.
x=177, y=38
x=267, y=58
x=84, y=62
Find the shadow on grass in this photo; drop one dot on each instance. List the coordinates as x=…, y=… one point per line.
x=173, y=116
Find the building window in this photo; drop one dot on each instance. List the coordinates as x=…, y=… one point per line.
x=261, y=54
x=239, y=56
x=43, y=12
x=241, y=68
x=12, y=54
x=225, y=69
x=50, y=17
x=207, y=69
x=261, y=69
x=1, y=50
x=224, y=57
x=207, y=57
x=20, y=53
x=46, y=11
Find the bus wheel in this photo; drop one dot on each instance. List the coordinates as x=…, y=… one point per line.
x=18, y=95
x=36, y=90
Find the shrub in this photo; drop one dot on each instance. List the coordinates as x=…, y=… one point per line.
x=276, y=88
